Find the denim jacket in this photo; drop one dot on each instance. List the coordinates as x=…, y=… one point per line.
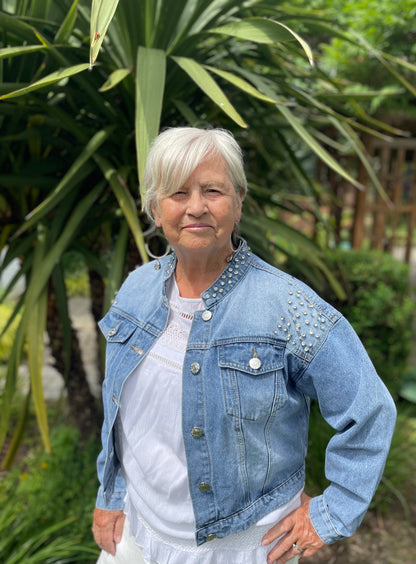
x=262, y=347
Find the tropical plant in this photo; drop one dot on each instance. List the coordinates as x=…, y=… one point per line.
x=74, y=143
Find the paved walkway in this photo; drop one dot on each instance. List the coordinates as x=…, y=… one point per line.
x=53, y=382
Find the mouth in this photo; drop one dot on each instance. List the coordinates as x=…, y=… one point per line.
x=197, y=226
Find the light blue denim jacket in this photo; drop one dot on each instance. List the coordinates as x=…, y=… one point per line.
x=262, y=347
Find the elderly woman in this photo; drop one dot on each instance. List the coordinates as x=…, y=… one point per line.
x=212, y=358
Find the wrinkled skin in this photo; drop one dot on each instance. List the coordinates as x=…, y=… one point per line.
x=107, y=529
x=296, y=528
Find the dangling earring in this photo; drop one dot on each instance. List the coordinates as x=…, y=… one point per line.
x=157, y=265
x=234, y=249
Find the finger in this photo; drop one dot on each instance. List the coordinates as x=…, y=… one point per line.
x=282, y=551
x=118, y=528
x=282, y=528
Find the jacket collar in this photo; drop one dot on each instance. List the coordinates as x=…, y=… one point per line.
x=230, y=276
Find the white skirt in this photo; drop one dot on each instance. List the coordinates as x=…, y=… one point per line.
x=128, y=552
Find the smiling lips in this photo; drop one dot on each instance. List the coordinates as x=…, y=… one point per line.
x=197, y=226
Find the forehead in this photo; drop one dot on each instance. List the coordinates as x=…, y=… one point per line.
x=212, y=169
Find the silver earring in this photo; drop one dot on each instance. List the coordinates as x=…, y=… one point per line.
x=157, y=265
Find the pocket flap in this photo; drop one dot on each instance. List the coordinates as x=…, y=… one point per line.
x=116, y=328
x=252, y=358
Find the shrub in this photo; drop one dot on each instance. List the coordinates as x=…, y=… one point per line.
x=46, y=504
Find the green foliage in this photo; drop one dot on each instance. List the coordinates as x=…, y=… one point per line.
x=408, y=387
x=46, y=504
x=399, y=474
x=379, y=307
x=377, y=25
x=76, y=275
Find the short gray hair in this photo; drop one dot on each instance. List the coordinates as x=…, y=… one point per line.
x=175, y=154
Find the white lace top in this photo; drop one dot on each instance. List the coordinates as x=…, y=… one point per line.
x=150, y=446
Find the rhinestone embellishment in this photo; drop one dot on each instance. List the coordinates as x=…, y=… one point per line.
x=303, y=325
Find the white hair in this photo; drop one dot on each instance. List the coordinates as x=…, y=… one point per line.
x=176, y=153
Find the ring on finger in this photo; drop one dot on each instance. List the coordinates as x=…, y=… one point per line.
x=296, y=547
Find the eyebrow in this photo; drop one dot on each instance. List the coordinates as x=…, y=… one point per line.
x=212, y=183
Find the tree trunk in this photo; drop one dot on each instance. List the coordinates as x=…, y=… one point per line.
x=97, y=290
x=82, y=404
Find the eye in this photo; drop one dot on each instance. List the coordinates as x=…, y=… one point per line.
x=179, y=194
x=214, y=190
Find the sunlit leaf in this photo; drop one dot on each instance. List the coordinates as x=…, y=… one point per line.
x=241, y=84
x=115, y=78
x=36, y=325
x=9, y=52
x=126, y=203
x=263, y=30
x=315, y=146
x=208, y=85
x=46, y=81
x=150, y=87
x=102, y=12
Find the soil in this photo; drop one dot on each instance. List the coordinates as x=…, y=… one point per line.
x=389, y=539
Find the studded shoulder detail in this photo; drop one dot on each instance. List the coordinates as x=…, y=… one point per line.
x=303, y=325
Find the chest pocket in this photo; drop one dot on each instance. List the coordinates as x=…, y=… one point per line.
x=252, y=379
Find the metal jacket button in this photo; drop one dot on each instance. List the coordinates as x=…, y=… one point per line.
x=206, y=315
x=197, y=432
x=254, y=363
x=204, y=487
x=211, y=537
x=195, y=367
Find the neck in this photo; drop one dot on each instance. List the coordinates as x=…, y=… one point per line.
x=195, y=274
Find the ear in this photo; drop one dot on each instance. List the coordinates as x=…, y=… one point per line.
x=238, y=206
x=157, y=215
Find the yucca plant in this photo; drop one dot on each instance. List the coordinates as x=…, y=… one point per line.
x=74, y=142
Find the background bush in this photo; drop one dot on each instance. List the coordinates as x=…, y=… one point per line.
x=46, y=504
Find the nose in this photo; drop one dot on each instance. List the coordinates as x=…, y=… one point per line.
x=196, y=204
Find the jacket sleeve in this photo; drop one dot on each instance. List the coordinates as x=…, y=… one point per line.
x=357, y=405
x=112, y=490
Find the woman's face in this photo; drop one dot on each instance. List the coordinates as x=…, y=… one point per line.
x=201, y=215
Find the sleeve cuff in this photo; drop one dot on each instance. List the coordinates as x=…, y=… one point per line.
x=322, y=522
x=115, y=502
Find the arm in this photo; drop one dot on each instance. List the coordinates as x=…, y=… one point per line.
x=108, y=520
x=355, y=402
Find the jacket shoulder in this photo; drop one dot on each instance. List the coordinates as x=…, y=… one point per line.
x=301, y=317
